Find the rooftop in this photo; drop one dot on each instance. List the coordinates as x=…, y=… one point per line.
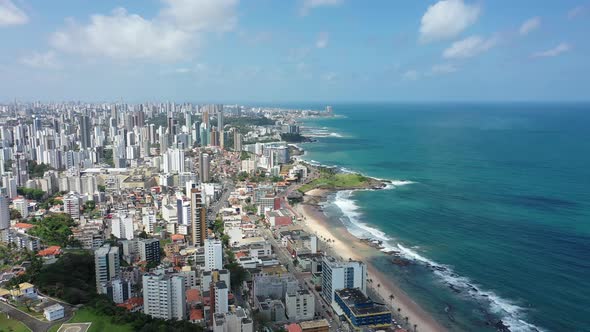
x=359, y=303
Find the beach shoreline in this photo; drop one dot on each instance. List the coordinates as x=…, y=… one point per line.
x=346, y=246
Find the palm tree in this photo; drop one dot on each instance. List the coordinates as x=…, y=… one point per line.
x=407, y=319
x=415, y=327
x=391, y=297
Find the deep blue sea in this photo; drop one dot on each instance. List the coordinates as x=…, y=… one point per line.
x=496, y=197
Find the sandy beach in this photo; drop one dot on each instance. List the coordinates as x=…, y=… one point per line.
x=345, y=245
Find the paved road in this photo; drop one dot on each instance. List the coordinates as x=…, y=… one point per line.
x=31, y=322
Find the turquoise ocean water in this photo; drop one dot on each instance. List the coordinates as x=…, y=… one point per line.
x=492, y=201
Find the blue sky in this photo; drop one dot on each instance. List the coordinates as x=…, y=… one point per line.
x=303, y=50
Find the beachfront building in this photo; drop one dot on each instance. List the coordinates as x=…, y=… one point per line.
x=339, y=275
x=360, y=311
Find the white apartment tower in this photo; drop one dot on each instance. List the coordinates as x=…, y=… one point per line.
x=164, y=296
x=213, y=254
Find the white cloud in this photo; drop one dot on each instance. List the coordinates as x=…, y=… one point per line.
x=529, y=26
x=11, y=14
x=446, y=19
x=172, y=35
x=322, y=41
x=45, y=60
x=308, y=5
x=411, y=75
x=440, y=69
x=201, y=15
x=469, y=47
x=329, y=76
x=575, y=12
x=557, y=50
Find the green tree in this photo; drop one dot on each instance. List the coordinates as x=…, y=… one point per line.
x=54, y=229
x=15, y=214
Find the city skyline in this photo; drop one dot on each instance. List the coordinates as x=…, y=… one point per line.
x=299, y=51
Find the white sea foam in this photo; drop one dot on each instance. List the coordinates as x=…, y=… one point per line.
x=335, y=135
x=511, y=314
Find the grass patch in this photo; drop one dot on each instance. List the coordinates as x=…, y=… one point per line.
x=11, y=324
x=336, y=181
x=99, y=322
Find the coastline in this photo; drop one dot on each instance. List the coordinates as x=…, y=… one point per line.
x=345, y=245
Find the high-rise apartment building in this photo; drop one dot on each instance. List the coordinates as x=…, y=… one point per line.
x=204, y=166
x=4, y=213
x=198, y=218
x=85, y=130
x=106, y=263
x=149, y=250
x=213, y=254
x=164, y=296
x=339, y=275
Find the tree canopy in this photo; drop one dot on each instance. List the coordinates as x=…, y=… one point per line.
x=54, y=229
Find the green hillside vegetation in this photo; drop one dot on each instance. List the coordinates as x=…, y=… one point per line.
x=332, y=181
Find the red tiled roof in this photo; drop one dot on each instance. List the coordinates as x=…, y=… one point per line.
x=193, y=295
x=177, y=237
x=131, y=303
x=23, y=225
x=293, y=327
x=51, y=251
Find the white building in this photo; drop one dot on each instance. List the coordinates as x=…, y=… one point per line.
x=54, y=312
x=339, y=275
x=164, y=296
x=300, y=305
x=221, y=293
x=122, y=226
x=72, y=204
x=21, y=204
x=213, y=254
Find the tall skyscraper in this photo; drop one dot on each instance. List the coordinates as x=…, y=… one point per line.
x=85, y=130
x=106, y=263
x=237, y=140
x=204, y=165
x=213, y=254
x=220, y=127
x=4, y=213
x=198, y=218
x=164, y=296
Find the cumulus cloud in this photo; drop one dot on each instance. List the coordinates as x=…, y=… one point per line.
x=411, y=75
x=440, y=69
x=469, y=47
x=557, y=50
x=11, y=14
x=576, y=11
x=446, y=19
x=308, y=5
x=201, y=15
x=176, y=31
x=322, y=41
x=529, y=26
x=45, y=60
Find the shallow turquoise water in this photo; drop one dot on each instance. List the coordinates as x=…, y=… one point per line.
x=500, y=204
